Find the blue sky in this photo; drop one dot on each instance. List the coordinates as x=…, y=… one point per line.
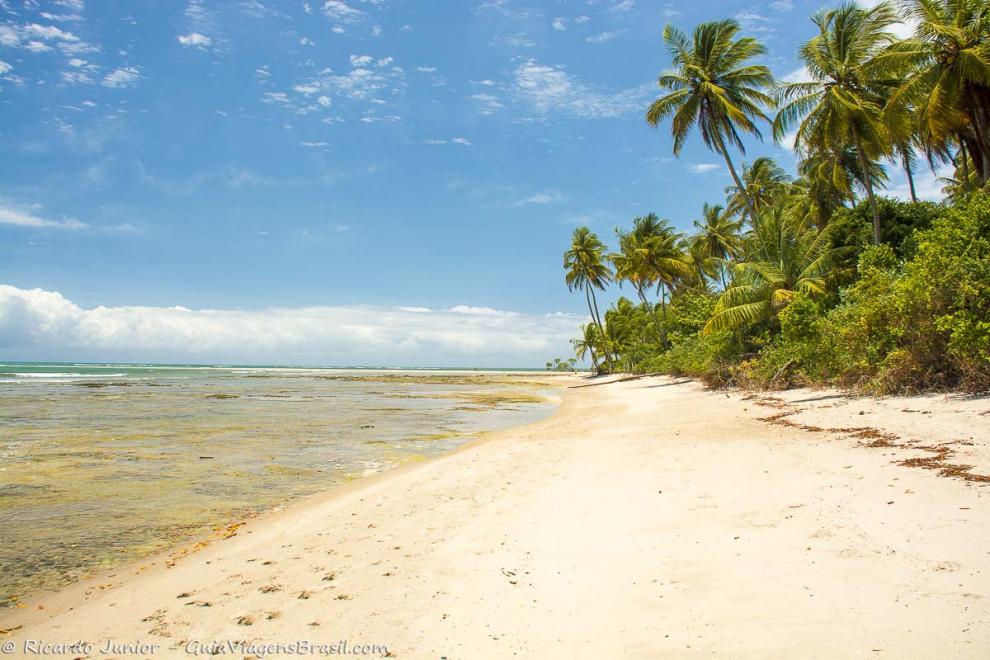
x=242, y=155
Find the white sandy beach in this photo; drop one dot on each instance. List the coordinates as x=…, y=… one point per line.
x=646, y=519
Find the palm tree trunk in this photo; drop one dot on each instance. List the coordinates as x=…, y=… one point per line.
x=593, y=309
x=868, y=183
x=965, y=164
x=662, y=294
x=661, y=331
x=980, y=115
x=906, y=162
x=735, y=177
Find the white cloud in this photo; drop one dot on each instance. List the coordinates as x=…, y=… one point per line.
x=782, y=5
x=799, y=75
x=5, y=68
x=549, y=89
x=601, y=37
x=341, y=11
x=488, y=104
x=582, y=19
x=306, y=90
x=125, y=76
x=703, y=168
x=48, y=16
x=426, y=69
x=559, y=24
x=44, y=324
x=542, y=198
x=623, y=5
x=48, y=33
x=195, y=39
x=9, y=216
x=361, y=60
x=462, y=141
x=275, y=97
x=8, y=36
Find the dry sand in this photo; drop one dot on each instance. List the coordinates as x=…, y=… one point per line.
x=646, y=519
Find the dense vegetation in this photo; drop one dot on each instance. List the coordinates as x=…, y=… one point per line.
x=817, y=278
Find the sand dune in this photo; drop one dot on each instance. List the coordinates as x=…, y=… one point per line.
x=646, y=519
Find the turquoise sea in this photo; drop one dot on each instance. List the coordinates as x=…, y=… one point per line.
x=106, y=463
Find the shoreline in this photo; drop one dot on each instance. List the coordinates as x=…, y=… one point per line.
x=589, y=436
x=165, y=558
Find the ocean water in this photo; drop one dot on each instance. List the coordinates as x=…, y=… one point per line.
x=102, y=464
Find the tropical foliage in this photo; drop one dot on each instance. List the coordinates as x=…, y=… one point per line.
x=815, y=278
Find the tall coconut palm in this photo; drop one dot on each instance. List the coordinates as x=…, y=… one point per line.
x=783, y=256
x=765, y=180
x=714, y=87
x=717, y=237
x=949, y=83
x=586, y=270
x=843, y=102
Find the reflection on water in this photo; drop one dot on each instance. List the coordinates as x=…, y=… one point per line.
x=103, y=464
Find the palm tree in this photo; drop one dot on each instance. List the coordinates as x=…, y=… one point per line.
x=630, y=262
x=842, y=105
x=667, y=263
x=650, y=254
x=717, y=237
x=764, y=181
x=587, y=270
x=588, y=343
x=783, y=256
x=949, y=84
x=714, y=88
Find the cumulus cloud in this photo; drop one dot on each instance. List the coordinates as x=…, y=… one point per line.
x=549, y=89
x=703, y=168
x=195, y=39
x=44, y=324
x=5, y=68
x=125, y=76
x=341, y=11
x=559, y=24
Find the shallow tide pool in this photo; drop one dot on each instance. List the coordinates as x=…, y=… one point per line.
x=105, y=464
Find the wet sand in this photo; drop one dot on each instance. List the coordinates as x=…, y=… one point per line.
x=647, y=518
